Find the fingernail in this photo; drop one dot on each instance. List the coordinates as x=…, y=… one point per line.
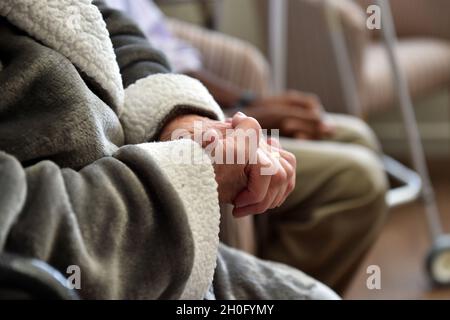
x=237, y=214
x=263, y=158
x=240, y=204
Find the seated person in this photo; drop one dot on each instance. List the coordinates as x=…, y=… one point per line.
x=334, y=214
x=85, y=179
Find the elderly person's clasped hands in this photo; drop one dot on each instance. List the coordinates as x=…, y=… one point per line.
x=253, y=172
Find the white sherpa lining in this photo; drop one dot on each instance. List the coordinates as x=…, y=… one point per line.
x=150, y=100
x=74, y=28
x=198, y=192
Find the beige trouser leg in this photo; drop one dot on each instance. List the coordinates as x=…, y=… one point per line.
x=336, y=210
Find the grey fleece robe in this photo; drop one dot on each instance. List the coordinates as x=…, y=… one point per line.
x=80, y=184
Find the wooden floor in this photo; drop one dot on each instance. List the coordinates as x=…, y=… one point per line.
x=401, y=249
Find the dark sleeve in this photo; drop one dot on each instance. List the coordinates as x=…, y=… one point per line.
x=122, y=215
x=47, y=109
x=126, y=235
x=137, y=59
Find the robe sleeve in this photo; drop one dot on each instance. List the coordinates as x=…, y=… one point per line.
x=140, y=223
x=153, y=96
x=135, y=228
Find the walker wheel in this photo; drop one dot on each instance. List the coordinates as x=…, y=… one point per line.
x=438, y=261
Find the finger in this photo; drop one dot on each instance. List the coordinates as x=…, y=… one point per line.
x=219, y=126
x=278, y=183
x=282, y=184
x=284, y=192
x=210, y=136
x=241, y=121
x=273, y=142
x=312, y=116
x=260, y=207
x=275, y=149
x=247, y=134
x=327, y=128
x=237, y=118
x=292, y=161
x=302, y=114
x=291, y=186
x=258, y=184
x=279, y=198
x=302, y=136
x=287, y=184
x=254, y=209
x=295, y=97
x=291, y=127
x=312, y=102
x=307, y=100
x=289, y=157
x=279, y=180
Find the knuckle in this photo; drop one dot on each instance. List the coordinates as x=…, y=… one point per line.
x=258, y=197
x=274, y=142
x=280, y=176
x=313, y=97
x=253, y=123
x=291, y=186
x=315, y=116
x=291, y=92
x=276, y=179
x=290, y=158
x=290, y=172
x=298, y=94
x=261, y=208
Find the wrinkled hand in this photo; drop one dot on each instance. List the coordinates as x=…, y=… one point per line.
x=270, y=179
x=185, y=125
x=295, y=114
x=231, y=178
x=263, y=178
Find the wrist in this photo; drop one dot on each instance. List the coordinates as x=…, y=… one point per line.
x=181, y=122
x=247, y=98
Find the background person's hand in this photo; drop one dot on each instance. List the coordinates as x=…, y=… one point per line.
x=295, y=114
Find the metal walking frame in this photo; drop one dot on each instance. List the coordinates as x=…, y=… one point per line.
x=416, y=184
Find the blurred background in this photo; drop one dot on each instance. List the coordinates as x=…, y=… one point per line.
x=307, y=60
